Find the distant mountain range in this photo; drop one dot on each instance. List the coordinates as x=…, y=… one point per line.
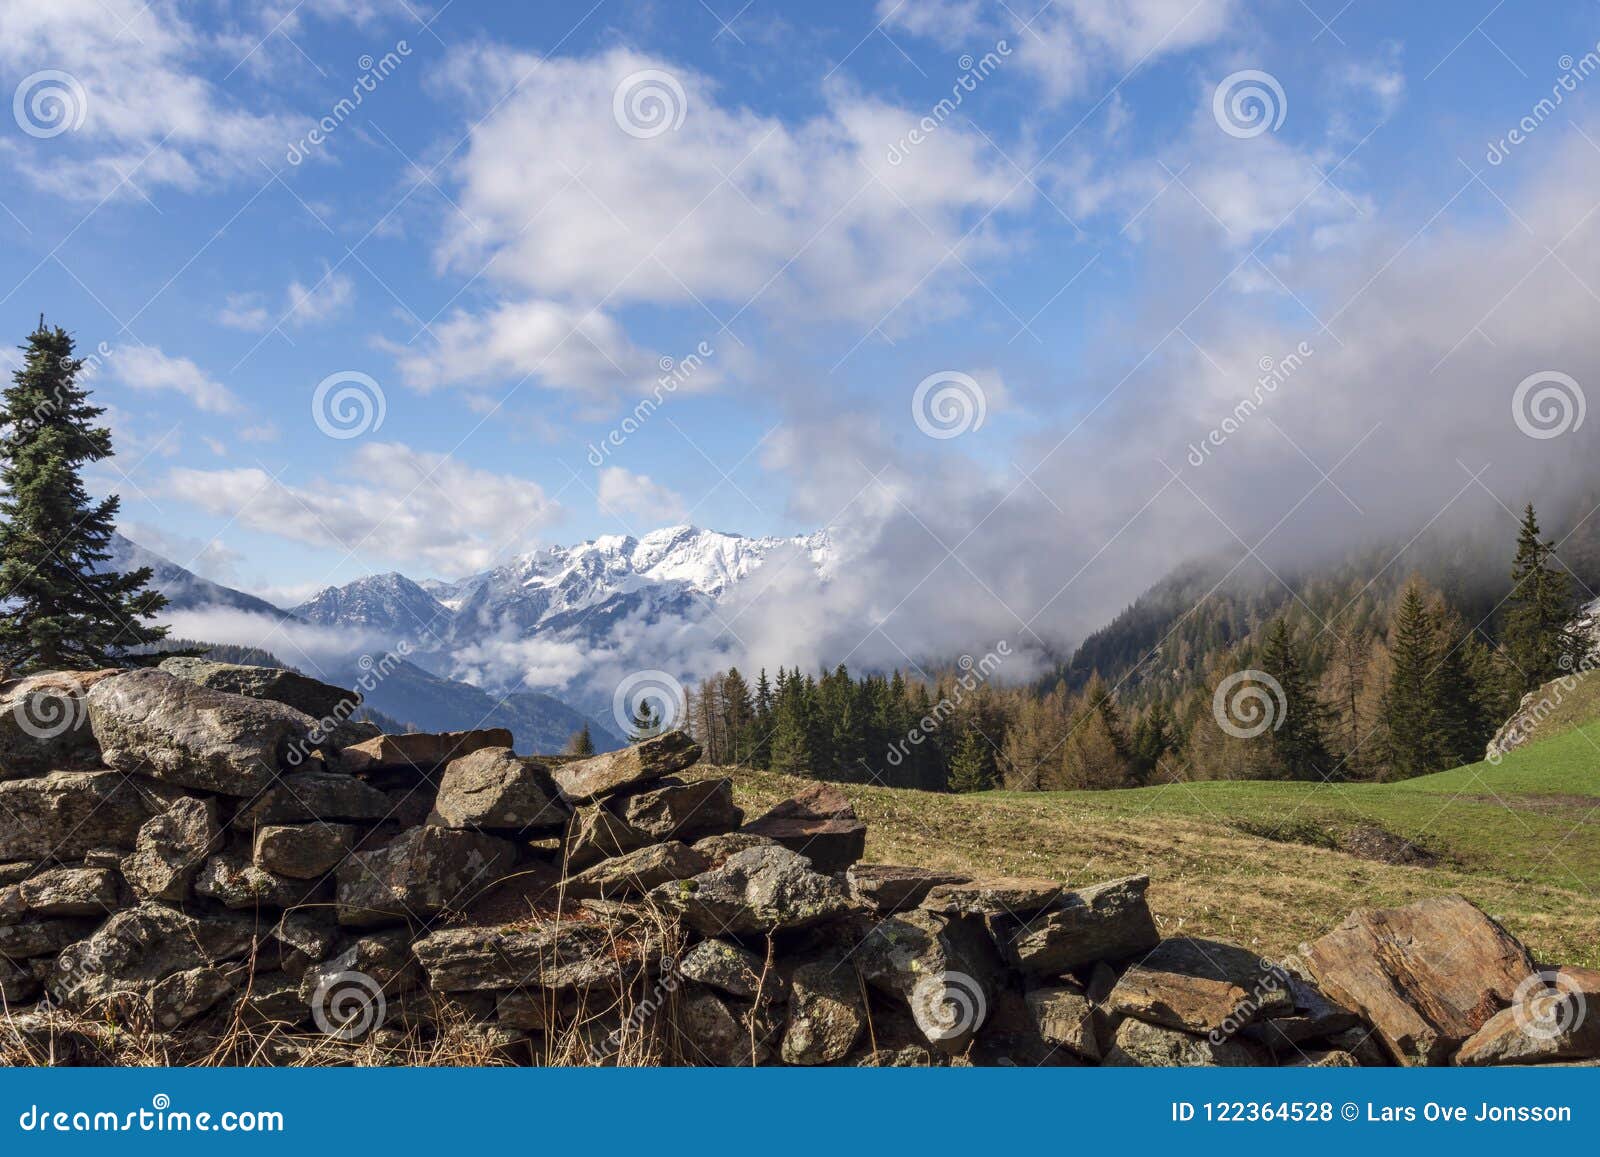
x=593, y=597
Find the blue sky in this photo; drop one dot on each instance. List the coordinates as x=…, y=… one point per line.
x=504, y=249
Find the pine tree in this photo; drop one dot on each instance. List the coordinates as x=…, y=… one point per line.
x=972, y=768
x=646, y=723
x=1408, y=703
x=1297, y=740
x=61, y=610
x=1535, y=633
x=1460, y=724
x=581, y=742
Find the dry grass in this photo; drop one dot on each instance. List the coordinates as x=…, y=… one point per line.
x=1207, y=878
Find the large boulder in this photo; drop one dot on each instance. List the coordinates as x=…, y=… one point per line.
x=1203, y=986
x=818, y=823
x=1108, y=921
x=492, y=790
x=584, y=780
x=716, y=1031
x=764, y=889
x=1553, y=1019
x=141, y=946
x=1065, y=1017
x=563, y=954
x=152, y=723
x=44, y=723
x=1427, y=976
x=1016, y=896
x=595, y=833
x=945, y=970
x=418, y=751
x=680, y=811
x=637, y=872
x=419, y=874
x=322, y=701
x=170, y=849
x=67, y=814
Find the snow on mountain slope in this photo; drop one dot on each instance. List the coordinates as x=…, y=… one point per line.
x=390, y=603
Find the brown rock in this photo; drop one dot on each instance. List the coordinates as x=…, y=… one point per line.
x=680, y=811
x=492, y=790
x=826, y=1013
x=761, y=890
x=1203, y=986
x=818, y=823
x=419, y=874
x=1552, y=1020
x=1065, y=1017
x=44, y=723
x=718, y=848
x=1108, y=921
x=894, y=888
x=1427, y=976
x=308, y=796
x=418, y=751
x=1314, y=1017
x=595, y=834
x=585, y=780
x=304, y=851
x=66, y=814
x=1145, y=1045
x=1014, y=896
x=637, y=872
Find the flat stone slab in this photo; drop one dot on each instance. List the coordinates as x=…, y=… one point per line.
x=1109, y=921
x=585, y=780
x=419, y=751
x=818, y=823
x=563, y=954
x=1017, y=896
x=637, y=872
x=895, y=887
x=1203, y=986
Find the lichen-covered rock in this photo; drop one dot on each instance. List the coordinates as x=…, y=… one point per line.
x=177, y=999
x=896, y=888
x=170, y=849
x=419, y=874
x=1108, y=921
x=152, y=723
x=563, y=954
x=723, y=965
x=585, y=780
x=235, y=882
x=717, y=849
x=40, y=937
x=1141, y=1044
x=1015, y=896
x=384, y=957
x=818, y=823
x=492, y=790
x=44, y=723
x=945, y=969
x=595, y=834
x=680, y=811
x=70, y=892
x=826, y=1013
x=304, y=851
x=1202, y=986
x=637, y=872
x=66, y=814
x=308, y=796
x=713, y=1030
x=140, y=946
x=419, y=750
x=764, y=889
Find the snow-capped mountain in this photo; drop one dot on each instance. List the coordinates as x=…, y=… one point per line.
x=569, y=594
x=388, y=603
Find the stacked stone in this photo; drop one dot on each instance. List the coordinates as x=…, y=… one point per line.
x=208, y=847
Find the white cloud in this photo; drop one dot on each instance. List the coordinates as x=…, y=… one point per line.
x=244, y=311
x=396, y=503
x=149, y=117
x=639, y=497
x=804, y=219
x=147, y=368
x=322, y=301
x=563, y=347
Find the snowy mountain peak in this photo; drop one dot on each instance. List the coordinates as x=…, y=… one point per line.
x=385, y=602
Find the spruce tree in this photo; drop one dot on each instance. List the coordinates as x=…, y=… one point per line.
x=971, y=769
x=61, y=610
x=581, y=742
x=1459, y=723
x=1535, y=634
x=1408, y=705
x=1298, y=744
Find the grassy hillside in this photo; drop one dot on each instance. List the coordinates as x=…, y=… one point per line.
x=1260, y=863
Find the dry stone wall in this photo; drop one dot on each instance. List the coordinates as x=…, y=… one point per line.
x=211, y=863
